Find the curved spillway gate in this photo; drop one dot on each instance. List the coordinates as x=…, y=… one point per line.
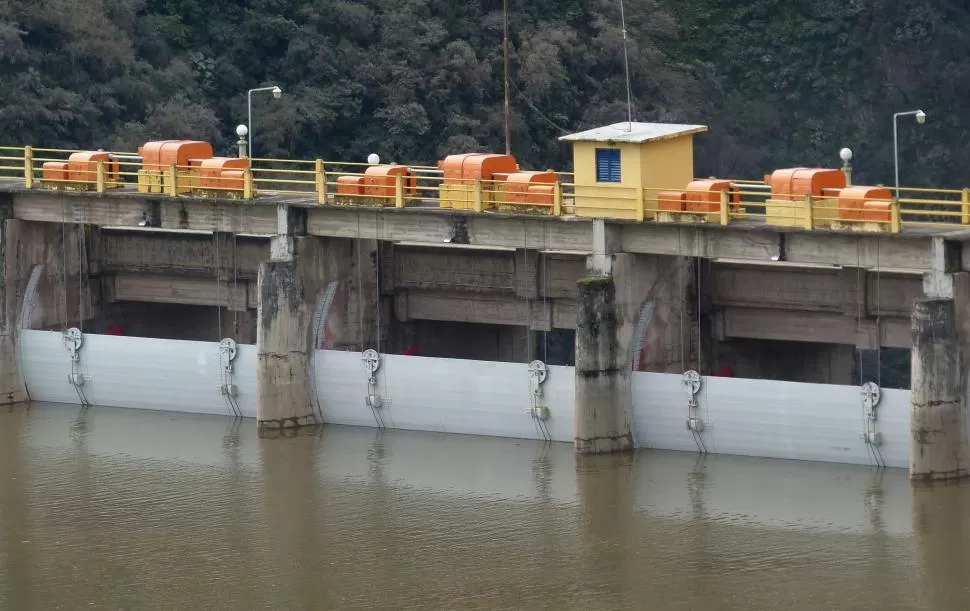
x=527, y=401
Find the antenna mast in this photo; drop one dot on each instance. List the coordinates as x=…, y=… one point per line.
x=505, y=45
x=626, y=65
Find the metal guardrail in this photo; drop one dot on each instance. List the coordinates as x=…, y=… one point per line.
x=346, y=184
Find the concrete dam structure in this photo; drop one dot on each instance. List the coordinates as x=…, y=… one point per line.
x=594, y=307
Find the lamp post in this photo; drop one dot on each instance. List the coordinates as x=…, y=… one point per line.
x=921, y=119
x=242, y=131
x=846, y=156
x=277, y=92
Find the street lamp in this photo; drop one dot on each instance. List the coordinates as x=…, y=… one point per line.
x=846, y=156
x=921, y=119
x=277, y=92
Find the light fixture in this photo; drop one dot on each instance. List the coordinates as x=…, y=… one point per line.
x=242, y=131
x=920, y=117
x=373, y=159
x=846, y=155
x=277, y=92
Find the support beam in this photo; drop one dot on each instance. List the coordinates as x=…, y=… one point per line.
x=938, y=413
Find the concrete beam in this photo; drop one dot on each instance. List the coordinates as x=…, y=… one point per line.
x=180, y=253
x=815, y=327
x=482, y=309
x=851, y=292
x=178, y=289
x=908, y=251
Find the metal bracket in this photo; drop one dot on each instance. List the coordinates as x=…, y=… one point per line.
x=871, y=395
x=372, y=362
x=538, y=411
x=227, y=355
x=692, y=383
x=73, y=340
x=870, y=399
x=537, y=375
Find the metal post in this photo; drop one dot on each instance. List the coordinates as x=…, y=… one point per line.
x=809, y=212
x=28, y=167
x=965, y=206
x=505, y=50
x=725, y=207
x=100, y=181
x=172, y=178
x=320, y=175
x=920, y=118
x=557, y=198
x=477, y=195
x=399, y=191
x=896, y=150
x=248, y=183
x=249, y=110
x=243, y=148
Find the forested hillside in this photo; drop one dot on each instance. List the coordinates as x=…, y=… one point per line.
x=779, y=81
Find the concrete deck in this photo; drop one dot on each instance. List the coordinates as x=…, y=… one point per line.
x=743, y=240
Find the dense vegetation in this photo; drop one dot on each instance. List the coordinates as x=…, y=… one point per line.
x=779, y=81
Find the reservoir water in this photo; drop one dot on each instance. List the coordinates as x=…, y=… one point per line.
x=105, y=508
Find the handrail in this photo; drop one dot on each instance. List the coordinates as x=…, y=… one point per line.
x=341, y=183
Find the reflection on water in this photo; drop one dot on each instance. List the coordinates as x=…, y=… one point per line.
x=125, y=509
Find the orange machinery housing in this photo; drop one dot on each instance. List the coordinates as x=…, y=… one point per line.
x=159, y=156
x=701, y=196
x=530, y=188
x=378, y=182
x=795, y=183
x=227, y=175
x=81, y=168
x=462, y=171
x=867, y=204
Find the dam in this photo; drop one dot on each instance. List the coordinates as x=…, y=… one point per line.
x=594, y=307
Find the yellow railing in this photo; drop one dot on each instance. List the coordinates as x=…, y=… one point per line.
x=330, y=183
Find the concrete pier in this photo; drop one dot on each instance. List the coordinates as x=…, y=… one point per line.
x=938, y=415
x=283, y=347
x=603, y=396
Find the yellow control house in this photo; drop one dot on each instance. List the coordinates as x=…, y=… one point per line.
x=620, y=168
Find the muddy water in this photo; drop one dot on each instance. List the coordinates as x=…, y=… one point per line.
x=128, y=509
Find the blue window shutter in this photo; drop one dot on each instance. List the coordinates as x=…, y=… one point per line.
x=607, y=165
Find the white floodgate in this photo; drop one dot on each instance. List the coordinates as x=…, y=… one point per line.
x=819, y=422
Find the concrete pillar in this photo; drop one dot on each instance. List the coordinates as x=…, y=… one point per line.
x=283, y=329
x=283, y=347
x=11, y=390
x=938, y=410
x=611, y=303
x=603, y=395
